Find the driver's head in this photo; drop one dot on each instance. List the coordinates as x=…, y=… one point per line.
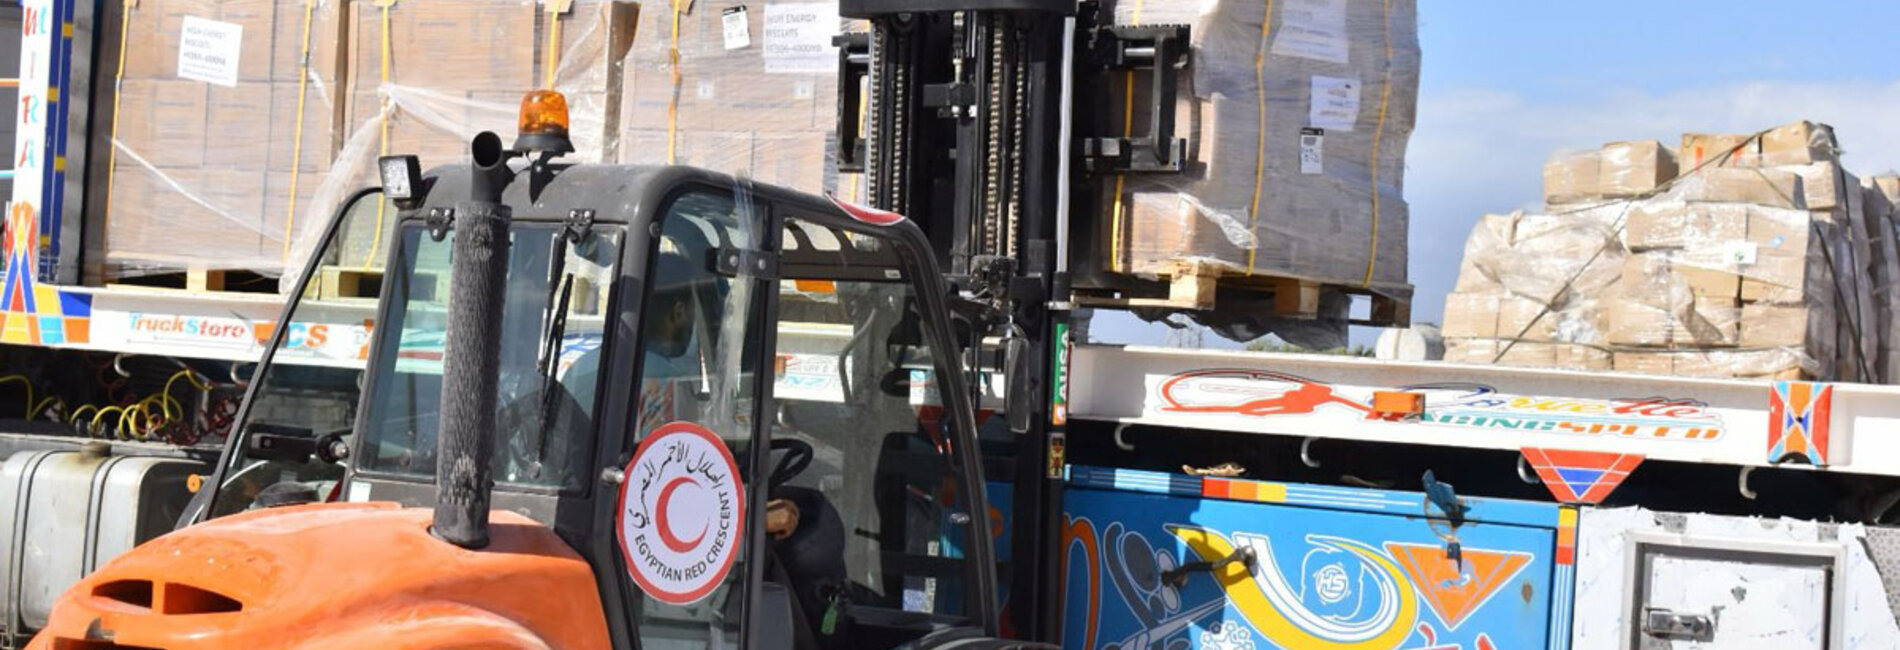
x=669, y=313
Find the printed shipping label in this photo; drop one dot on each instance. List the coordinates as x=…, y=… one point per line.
x=208, y=51
x=1312, y=29
x=1335, y=104
x=1312, y=151
x=798, y=38
x=738, y=29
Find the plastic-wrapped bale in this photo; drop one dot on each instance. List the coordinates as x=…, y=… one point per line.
x=1883, y=226
x=1527, y=291
x=759, y=103
x=225, y=157
x=1296, y=127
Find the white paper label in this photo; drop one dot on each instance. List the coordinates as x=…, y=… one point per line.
x=208, y=51
x=1312, y=29
x=1312, y=151
x=1335, y=104
x=737, y=27
x=1739, y=252
x=359, y=492
x=798, y=38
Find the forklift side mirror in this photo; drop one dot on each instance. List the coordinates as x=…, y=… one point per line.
x=1018, y=385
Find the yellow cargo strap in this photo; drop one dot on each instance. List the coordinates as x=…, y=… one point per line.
x=382, y=144
x=1378, y=135
x=673, y=104
x=1260, y=134
x=1115, y=260
x=118, y=84
x=296, y=146
x=556, y=8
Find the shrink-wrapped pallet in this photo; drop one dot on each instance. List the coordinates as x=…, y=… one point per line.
x=1764, y=260
x=246, y=161
x=1296, y=126
x=219, y=103
x=759, y=100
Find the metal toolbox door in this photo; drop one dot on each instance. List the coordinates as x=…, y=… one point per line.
x=1704, y=594
x=1330, y=568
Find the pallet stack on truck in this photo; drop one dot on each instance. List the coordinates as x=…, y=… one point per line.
x=1182, y=498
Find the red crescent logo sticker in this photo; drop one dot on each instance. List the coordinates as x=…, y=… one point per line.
x=682, y=478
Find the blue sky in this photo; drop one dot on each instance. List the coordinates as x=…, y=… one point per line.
x=1507, y=83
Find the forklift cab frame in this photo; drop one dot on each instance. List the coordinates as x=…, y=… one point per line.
x=913, y=528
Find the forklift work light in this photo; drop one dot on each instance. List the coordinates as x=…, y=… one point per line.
x=544, y=123
x=402, y=180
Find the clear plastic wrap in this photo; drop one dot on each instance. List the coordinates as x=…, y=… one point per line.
x=233, y=174
x=199, y=171
x=762, y=104
x=1734, y=270
x=1296, y=142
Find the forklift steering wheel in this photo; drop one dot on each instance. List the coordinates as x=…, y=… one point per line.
x=798, y=455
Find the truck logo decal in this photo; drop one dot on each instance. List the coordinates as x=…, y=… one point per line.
x=1262, y=393
x=1380, y=615
x=681, y=513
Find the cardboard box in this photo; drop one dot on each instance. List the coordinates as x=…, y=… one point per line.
x=1471, y=351
x=1644, y=362
x=239, y=129
x=1582, y=357
x=1782, y=278
x=1707, y=322
x=1717, y=150
x=258, y=20
x=1824, y=185
x=1525, y=320
x=1635, y=168
x=1771, y=326
x=1527, y=354
x=1573, y=178
x=1471, y=315
x=1654, y=275
x=1769, y=187
x=461, y=46
x=322, y=135
x=1654, y=225
x=1798, y=143
x=162, y=122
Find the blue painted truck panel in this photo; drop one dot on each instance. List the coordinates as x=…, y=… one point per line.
x=1336, y=568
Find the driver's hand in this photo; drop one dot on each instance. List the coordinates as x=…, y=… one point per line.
x=781, y=518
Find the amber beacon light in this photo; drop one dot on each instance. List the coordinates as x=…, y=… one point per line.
x=544, y=123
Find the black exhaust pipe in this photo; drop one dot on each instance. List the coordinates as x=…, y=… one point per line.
x=471, y=366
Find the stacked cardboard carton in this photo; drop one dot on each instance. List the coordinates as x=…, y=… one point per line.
x=226, y=163
x=210, y=162
x=1296, y=126
x=748, y=89
x=1762, y=258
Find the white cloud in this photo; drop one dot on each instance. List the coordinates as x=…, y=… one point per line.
x=1479, y=150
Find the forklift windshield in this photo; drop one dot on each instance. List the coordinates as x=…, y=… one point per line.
x=555, y=299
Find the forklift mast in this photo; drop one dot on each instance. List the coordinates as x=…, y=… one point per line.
x=962, y=115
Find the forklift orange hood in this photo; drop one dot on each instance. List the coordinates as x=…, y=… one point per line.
x=333, y=576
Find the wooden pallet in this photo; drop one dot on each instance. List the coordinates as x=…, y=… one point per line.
x=198, y=279
x=349, y=282
x=1194, y=285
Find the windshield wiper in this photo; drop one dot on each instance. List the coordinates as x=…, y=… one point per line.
x=548, y=361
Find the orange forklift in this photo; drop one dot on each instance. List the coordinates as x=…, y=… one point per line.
x=659, y=407
x=575, y=366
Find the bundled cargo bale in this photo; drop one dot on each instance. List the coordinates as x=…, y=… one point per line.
x=1296, y=127
x=207, y=145
x=1764, y=259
